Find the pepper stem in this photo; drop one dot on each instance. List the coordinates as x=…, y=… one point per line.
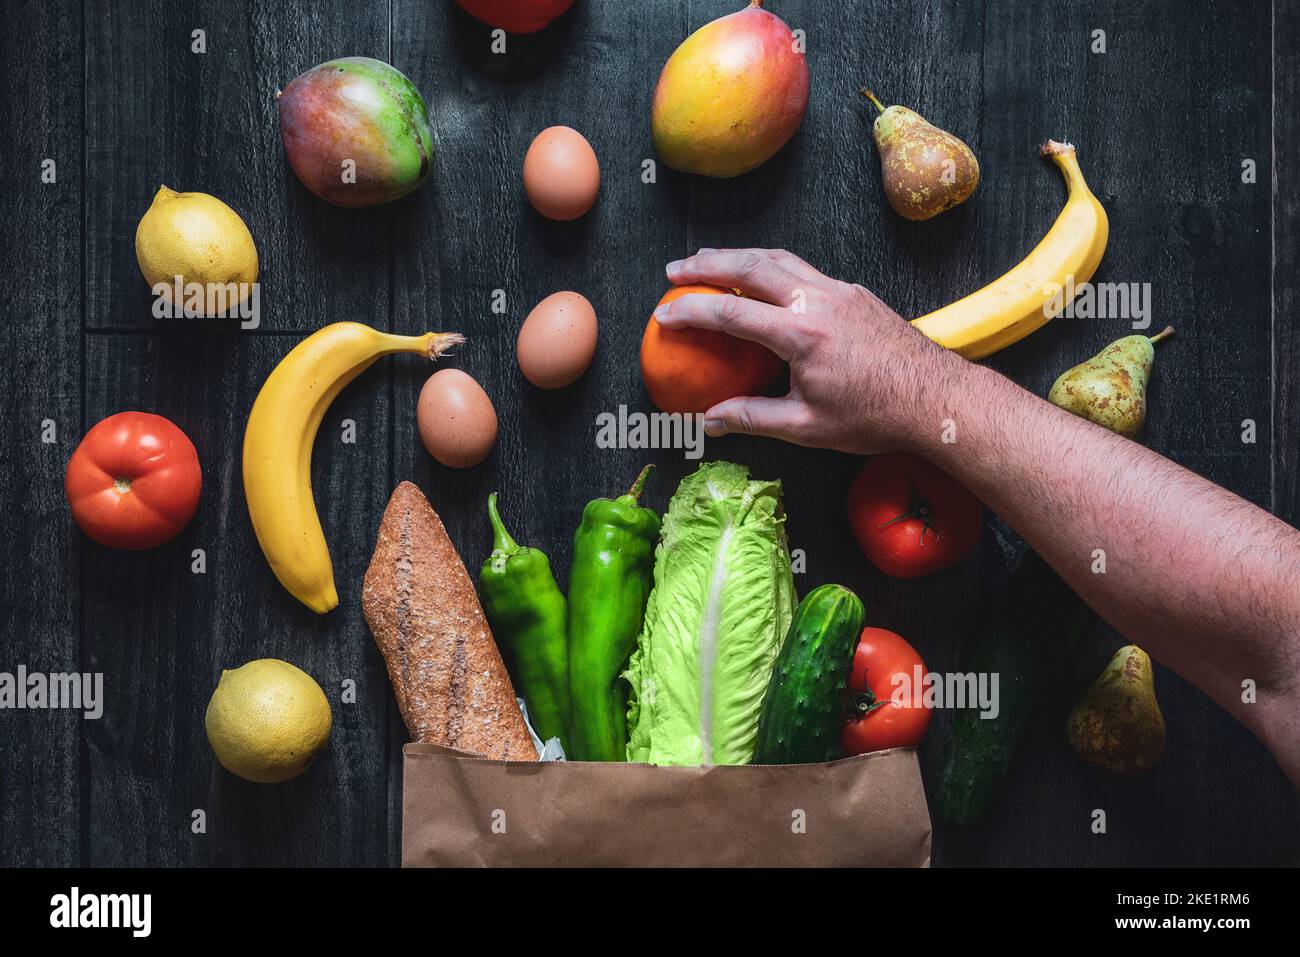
x=501, y=540
x=639, y=485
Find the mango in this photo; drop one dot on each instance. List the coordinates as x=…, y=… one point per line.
x=356, y=132
x=731, y=95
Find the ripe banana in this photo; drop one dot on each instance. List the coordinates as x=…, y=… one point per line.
x=1032, y=292
x=278, y=443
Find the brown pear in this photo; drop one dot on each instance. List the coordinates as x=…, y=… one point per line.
x=926, y=170
x=1118, y=724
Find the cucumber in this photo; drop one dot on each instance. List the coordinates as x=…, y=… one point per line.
x=803, y=709
x=1025, y=642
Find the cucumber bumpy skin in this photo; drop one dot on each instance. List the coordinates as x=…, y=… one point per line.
x=803, y=710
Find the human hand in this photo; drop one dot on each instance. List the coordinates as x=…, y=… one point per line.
x=861, y=377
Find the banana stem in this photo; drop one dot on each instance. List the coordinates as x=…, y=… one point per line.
x=872, y=97
x=440, y=342
x=1066, y=159
x=1164, y=333
x=431, y=345
x=1054, y=148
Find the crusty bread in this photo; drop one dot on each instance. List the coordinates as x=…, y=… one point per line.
x=448, y=677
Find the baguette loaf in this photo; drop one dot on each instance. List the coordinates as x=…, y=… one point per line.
x=448, y=677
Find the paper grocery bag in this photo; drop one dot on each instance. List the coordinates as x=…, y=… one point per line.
x=464, y=811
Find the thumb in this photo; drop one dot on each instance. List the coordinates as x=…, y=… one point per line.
x=754, y=415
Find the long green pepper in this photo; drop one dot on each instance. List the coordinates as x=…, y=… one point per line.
x=611, y=578
x=529, y=615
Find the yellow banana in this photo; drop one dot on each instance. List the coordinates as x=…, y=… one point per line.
x=1033, y=291
x=278, y=443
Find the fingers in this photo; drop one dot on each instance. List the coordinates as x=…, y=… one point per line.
x=757, y=415
x=754, y=274
x=743, y=318
x=791, y=264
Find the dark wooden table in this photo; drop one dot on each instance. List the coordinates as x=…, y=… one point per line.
x=113, y=94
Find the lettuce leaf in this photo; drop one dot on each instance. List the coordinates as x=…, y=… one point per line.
x=722, y=602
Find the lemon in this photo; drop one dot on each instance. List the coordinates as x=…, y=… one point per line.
x=202, y=240
x=267, y=721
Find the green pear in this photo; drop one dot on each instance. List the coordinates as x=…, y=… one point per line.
x=1118, y=724
x=1111, y=387
x=925, y=170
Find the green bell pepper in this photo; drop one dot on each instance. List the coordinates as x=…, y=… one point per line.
x=610, y=582
x=529, y=618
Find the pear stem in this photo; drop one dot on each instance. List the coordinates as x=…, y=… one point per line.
x=1164, y=333
x=872, y=97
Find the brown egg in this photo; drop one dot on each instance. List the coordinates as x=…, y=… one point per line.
x=457, y=422
x=557, y=340
x=561, y=173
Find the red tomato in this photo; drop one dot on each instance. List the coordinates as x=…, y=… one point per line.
x=516, y=16
x=880, y=721
x=134, y=481
x=912, y=518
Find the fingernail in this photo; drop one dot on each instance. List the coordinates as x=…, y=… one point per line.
x=675, y=267
x=715, y=428
x=661, y=311
x=706, y=249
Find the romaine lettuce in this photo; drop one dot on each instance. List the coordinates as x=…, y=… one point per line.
x=721, y=605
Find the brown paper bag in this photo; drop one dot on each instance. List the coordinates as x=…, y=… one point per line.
x=463, y=811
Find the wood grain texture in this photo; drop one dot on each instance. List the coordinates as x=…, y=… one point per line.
x=163, y=634
x=40, y=286
x=1182, y=221
x=207, y=122
x=1162, y=120
x=1285, y=223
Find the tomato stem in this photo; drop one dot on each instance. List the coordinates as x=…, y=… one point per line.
x=917, y=507
x=862, y=703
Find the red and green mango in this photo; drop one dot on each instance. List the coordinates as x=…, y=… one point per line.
x=360, y=110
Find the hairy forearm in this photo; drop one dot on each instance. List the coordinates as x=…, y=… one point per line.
x=1206, y=582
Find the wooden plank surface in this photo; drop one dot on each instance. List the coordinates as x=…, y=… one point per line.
x=1285, y=227
x=159, y=113
x=40, y=286
x=1181, y=220
x=1162, y=119
x=163, y=634
x=207, y=121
